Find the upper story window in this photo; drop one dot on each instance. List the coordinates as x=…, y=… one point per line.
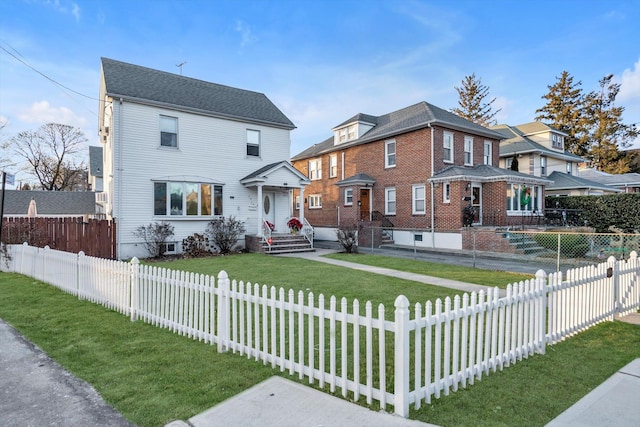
x=418, y=199
x=187, y=199
x=569, y=167
x=315, y=169
x=543, y=166
x=348, y=196
x=351, y=132
x=488, y=153
x=333, y=165
x=253, y=143
x=447, y=144
x=390, y=154
x=468, y=150
x=557, y=141
x=168, y=131
x=390, y=201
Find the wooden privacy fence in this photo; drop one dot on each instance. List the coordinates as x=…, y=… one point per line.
x=403, y=358
x=70, y=234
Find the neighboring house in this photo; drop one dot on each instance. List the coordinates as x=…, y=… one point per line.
x=50, y=203
x=415, y=169
x=186, y=151
x=539, y=150
x=95, y=169
x=624, y=182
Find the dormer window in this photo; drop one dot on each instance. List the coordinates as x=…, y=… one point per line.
x=557, y=141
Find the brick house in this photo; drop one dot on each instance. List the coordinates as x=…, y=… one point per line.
x=415, y=172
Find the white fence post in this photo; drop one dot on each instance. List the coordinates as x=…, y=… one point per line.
x=615, y=277
x=541, y=316
x=223, y=317
x=401, y=362
x=79, y=275
x=135, y=286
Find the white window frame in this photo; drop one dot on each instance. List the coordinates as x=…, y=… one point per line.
x=252, y=135
x=418, y=204
x=315, y=169
x=315, y=201
x=447, y=147
x=543, y=165
x=569, y=167
x=446, y=192
x=488, y=153
x=557, y=141
x=333, y=165
x=216, y=193
x=167, y=122
x=390, y=156
x=297, y=203
x=468, y=150
x=513, y=199
x=389, y=199
x=348, y=196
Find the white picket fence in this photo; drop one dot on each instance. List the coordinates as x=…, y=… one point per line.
x=429, y=349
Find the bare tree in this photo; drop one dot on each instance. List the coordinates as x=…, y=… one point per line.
x=5, y=160
x=51, y=153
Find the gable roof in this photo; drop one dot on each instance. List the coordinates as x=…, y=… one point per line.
x=50, y=203
x=405, y=120
x=357, y=179
x=140, y=84
x=564, y=181
x=485, y=173
x=538, y=127
x=263, y=173
x=516, y=142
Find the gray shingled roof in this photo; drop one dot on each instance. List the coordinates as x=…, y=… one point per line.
x=537, y=126
x=95, y=161
x=485, y=173
x=357, y=179
x=401, y=121
x=265, y=170
x=50, y=203
x=614, y=180
x=564, y=181
x=515, y=142
x=136, y=83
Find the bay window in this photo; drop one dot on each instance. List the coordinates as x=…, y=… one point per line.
x=186, y=199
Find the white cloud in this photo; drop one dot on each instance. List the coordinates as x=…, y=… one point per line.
x=245, y=31
x=63, y=7
x=630, y=84
x=42, y=112
x=75, y=11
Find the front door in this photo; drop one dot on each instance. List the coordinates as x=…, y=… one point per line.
x=268, y=208
x=365, y=214
x=476, y=202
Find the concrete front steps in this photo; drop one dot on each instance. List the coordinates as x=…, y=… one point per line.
x=286, y=244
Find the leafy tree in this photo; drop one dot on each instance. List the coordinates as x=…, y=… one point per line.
x=472, y=102
x=564, y=111
x=608, y=134
x=52, y=154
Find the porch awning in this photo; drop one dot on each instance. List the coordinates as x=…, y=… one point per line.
x=279, y=174
x=486, y=173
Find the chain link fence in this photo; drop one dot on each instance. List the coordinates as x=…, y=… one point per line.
x=501, y=248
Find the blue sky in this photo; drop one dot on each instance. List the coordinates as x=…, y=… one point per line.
x=320, y=62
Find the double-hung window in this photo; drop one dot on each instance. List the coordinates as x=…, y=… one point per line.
x=168, y=131
x=569, y=167
x=447, y=145
x=315, y=201
x=418, y=192
x=488, y=153
x=348, y=196
x=315, y=169
x=253, y=143
x=333, y=165
x=468, y=150
x=543, y=166
x=390, y=201
x=188, y=199
x=390, y=154
x=446, y=192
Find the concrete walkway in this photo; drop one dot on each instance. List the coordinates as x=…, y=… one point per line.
x=318, y=255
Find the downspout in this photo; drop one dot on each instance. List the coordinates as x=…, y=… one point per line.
x=119, y=175
x=433, y=209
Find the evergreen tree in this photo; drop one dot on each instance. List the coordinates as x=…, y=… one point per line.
x=514, y=163
x=472, y=104
x=564, y=111
x=607, y=133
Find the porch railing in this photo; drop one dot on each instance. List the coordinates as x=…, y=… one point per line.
x=307, y=231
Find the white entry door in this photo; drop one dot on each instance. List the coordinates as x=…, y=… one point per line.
x=269, y=208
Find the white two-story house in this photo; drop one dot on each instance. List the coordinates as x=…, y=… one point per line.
x=185, y=151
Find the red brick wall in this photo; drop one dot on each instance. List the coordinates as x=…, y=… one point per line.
x=413, y=166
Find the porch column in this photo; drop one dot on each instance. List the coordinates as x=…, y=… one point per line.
x=260, y=211
x=301, y=209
